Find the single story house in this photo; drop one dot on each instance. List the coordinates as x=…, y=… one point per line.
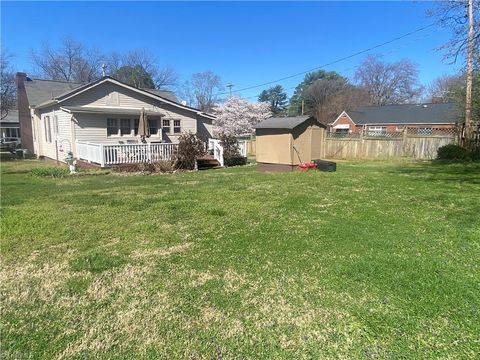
x=98, y=121
x=377, y=120
x=9, y=125
x=282, y=143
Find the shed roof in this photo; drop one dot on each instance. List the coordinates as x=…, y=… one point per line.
x=444, y=113
x=289, y=122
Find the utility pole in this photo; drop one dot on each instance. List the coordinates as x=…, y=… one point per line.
x=303, y=106
x=468, y=98
x=229, y=86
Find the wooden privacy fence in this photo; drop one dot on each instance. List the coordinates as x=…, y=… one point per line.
x=414, y=143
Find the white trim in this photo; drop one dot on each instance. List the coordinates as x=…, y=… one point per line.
x=140, y=91
x=342, y=126
x=339, y=116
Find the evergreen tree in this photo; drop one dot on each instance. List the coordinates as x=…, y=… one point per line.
x=276, y=97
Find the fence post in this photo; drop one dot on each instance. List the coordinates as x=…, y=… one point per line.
x=149, y=152
x=102, y=156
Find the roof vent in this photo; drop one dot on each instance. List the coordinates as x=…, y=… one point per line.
x=184, y=103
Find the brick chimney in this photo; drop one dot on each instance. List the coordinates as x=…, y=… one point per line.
x=24, y=117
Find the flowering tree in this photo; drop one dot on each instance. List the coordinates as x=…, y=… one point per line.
x=238, y=116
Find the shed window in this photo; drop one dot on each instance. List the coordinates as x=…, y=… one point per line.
x=112, y=127
x=176, y=126
x=166, y=126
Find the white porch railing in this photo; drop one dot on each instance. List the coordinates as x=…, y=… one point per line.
x=215, y=145
x=118, y=154
x=242, y=147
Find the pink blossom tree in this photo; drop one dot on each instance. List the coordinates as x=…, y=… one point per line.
x=238, y=116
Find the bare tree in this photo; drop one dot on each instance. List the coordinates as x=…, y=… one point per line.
x=320, y=95
x=201, y=90
x=141, y=64
x=72, y=61
x=453, y=15
x=388, y=83
x=327, y=98
x=166, y=78
x=463, y=19
x=444, y=87
x=7, y=85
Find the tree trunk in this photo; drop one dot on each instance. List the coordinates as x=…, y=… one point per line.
x=469, y=128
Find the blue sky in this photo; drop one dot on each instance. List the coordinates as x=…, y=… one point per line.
x=246, y=43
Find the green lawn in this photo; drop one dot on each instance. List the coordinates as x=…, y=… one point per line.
x=376, y=260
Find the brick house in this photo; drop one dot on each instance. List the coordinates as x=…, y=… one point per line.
x=423, y=118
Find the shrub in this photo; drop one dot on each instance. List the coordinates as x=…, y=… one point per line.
x=56, y=172
x=451, y=152
x=474, y=154
x=231, y=150
x=164, y=166
x=236, y=161
x=190, y=147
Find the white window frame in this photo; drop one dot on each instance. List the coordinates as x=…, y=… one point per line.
x=121, y=127
x=376, y=130
x=165, y=127
x=179, y=127
x=48, y=129
x=116, y=127
x=424, y=130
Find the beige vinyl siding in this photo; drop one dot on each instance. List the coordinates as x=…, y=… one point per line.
x=93, y=127
x=60, y=130
x=112, y=95
x=204, y=127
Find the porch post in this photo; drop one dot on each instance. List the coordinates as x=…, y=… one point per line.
x=149, y=152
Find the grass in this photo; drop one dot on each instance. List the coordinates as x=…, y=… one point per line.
x=376, y=260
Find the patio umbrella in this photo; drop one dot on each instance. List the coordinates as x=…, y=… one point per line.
x=143, y=126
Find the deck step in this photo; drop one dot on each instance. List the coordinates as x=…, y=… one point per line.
x=207, y=162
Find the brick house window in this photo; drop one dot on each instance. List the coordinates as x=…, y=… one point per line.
x=424, y=131
x=377, y=130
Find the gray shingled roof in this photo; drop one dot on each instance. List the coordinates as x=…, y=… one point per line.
x=444, y=113
x=169, y=95
x=12, y=117
x=289, y=122
x=39, y=90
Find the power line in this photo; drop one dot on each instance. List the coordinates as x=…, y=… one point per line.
x=336, y=61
